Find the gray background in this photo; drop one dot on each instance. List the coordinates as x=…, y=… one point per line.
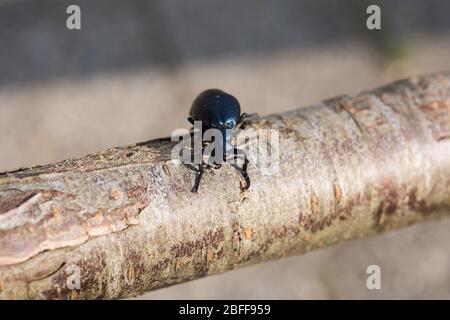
x=132, y=71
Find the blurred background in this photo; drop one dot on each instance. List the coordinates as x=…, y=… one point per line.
x=132, y=71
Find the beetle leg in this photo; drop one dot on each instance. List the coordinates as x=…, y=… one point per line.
x=241, y=123
x=198, y=178
x=242, y=171
x=199, y=172
x=244, y=175
x=198, y=175
x=245, y=119
x=242, y=117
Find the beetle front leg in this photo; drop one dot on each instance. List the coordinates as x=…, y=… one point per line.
x=245, y=119
x=241, y=123
x=242, y=117
x=198, y=175
x=198, y=178
x=237, y=153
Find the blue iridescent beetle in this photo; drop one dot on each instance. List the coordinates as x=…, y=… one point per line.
x=217, y=109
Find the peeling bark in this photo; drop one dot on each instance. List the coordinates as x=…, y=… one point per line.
x=349, y=167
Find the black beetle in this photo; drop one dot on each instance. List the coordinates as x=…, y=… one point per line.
x=217, y=109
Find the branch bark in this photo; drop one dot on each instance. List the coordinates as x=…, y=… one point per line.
x=125, y=219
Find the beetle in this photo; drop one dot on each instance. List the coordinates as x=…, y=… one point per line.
x=219, y=110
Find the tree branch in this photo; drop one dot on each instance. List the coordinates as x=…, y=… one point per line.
x=125, y=219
